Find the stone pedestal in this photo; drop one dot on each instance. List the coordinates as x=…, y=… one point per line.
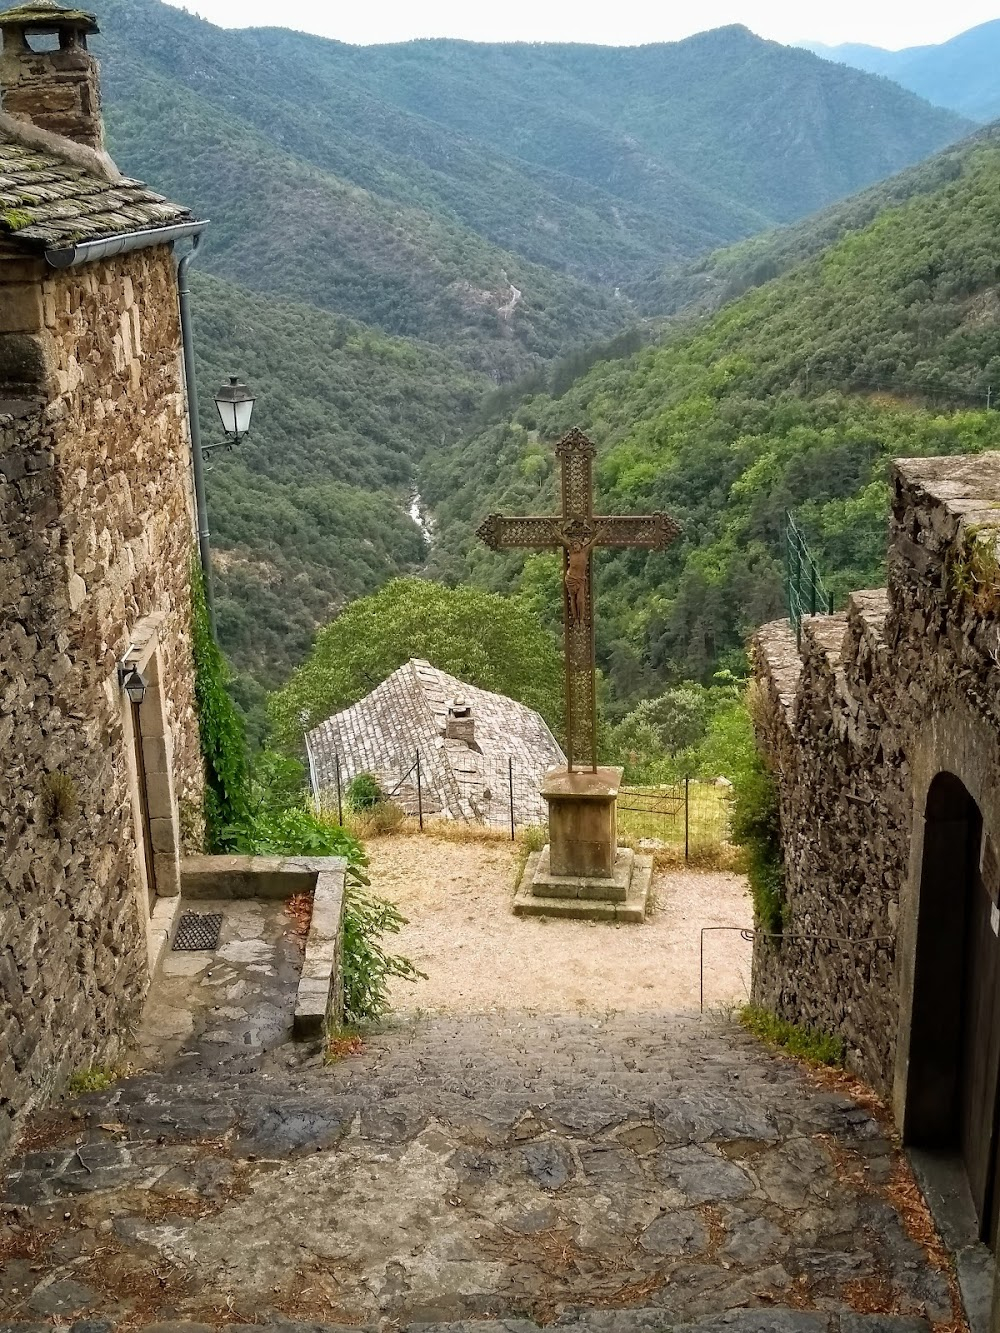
x=582, y=872
x=583, y=830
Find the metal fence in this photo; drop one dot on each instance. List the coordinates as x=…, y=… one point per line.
x=805, y=590
x=690, y=816
x=500, y=792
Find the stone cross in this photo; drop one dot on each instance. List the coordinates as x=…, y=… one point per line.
x=578, y=530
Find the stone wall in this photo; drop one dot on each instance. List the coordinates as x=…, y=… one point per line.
x=95, y=536
x=856, y=723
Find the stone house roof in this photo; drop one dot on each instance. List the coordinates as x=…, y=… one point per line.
x=48, y=202
x=471, y=744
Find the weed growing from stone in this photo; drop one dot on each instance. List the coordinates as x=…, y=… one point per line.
x=530, y=839
x=816, y=1048
x=95, y=1078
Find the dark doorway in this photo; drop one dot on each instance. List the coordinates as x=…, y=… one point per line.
x=955, y=1038
x=144, y=828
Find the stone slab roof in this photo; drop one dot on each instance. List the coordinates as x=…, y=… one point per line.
x=48, y=202
x=406, y=715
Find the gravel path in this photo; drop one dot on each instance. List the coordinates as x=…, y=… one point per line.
x=480, y=958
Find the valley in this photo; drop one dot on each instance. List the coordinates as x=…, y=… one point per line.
x=430, y=258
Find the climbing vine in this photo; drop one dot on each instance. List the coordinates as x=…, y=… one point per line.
x=756, y=827
x=223, y=740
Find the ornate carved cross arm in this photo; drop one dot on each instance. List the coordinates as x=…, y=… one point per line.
x=537, y=532
x=655, y=531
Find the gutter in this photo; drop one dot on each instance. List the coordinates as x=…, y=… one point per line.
x=87, y=251
x=194, y=425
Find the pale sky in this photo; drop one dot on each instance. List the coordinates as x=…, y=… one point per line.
x=889, y=23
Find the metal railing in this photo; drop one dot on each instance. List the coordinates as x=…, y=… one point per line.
x=805, y=591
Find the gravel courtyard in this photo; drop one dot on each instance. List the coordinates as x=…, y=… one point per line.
x=480, y=958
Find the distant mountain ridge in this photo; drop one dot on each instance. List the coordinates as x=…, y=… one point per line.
x=396, y=230
x=960, y=74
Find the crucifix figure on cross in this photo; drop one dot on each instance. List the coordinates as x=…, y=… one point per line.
x=578, y=530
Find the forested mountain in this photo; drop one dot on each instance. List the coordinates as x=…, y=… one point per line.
x=703, y=285
x=771, y=404
x=960, y=73
x=396, y=231
x=593, y=161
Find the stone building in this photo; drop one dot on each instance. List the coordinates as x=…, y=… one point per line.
x=479, y=752
x=96, y=535
x=883, y=731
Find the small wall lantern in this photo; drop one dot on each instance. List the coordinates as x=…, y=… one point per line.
x=132, y=681
x=235, y=403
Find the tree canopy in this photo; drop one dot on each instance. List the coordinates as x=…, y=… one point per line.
x=483, y=638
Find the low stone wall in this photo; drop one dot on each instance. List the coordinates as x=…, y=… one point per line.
x=856, y=722
x=319, y=1002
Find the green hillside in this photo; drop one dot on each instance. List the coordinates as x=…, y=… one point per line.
x=703, y=285
x=586, y=161
x=398, y=231
x=311, y=510
x=763, y=407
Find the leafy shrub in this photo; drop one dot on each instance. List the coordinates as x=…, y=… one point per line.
x=298, y=831
x=223, y=742
x=756, y=827
x=364, y=792
x=367, y=967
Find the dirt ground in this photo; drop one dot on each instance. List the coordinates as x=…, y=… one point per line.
x=480, y=958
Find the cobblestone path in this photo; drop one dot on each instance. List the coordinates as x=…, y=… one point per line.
x=626, y=1174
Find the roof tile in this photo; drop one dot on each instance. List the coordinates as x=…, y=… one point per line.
x=47, y=202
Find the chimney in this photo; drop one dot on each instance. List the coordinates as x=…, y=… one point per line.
x=460, y=725
x=47, y=75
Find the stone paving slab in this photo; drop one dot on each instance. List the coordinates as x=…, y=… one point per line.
x=630, y=1173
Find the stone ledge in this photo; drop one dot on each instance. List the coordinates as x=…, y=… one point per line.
x=613, y=889
x=633, y=910
x=319, y=1000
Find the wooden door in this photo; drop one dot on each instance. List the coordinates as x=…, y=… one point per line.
x=981, y=1036
x=144, y=829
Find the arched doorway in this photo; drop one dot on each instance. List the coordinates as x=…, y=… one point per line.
x=952, y=1080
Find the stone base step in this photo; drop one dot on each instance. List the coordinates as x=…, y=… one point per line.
x=633, y=910
x=544, y=884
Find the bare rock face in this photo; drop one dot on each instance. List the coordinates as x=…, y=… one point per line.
x=95, y=537
x=857, y=720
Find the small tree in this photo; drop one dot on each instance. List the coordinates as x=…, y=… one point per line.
x=483, y=638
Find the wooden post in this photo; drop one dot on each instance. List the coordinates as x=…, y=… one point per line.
x=510, y=780
x=420, y=799
x=340, y=799
x=687, y=822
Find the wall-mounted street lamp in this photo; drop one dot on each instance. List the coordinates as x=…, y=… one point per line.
x=235, y=403
x=132, y=681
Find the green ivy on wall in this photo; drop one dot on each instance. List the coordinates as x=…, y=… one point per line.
x=223, y=741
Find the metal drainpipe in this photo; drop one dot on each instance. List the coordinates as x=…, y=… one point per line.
x=197, y=462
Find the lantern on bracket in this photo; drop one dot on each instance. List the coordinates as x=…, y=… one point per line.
x=132, y=681
x=235, y=406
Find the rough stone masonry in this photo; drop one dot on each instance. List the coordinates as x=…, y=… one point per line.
x=880, y=700
x=95, y=542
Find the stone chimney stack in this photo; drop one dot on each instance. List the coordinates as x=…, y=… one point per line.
x=461, y=725
x=47, y=75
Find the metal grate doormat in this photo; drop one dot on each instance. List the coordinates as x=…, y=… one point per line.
x=198, y=930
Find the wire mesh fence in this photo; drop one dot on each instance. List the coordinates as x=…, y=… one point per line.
x=499, y=791
x=689, y=818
